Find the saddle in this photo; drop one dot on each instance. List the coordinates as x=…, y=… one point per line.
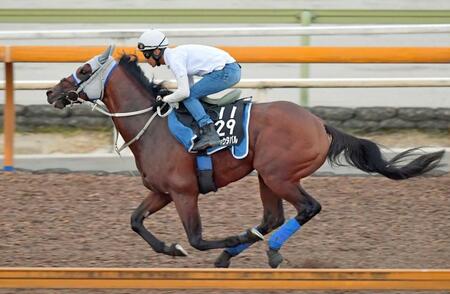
x=228, y=98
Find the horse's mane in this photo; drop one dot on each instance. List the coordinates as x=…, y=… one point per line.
x=129, y=63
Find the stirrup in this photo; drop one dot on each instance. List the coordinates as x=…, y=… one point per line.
x=205, y=146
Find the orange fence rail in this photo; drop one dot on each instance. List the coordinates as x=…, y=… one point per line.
x=162, y=278
x=11, y=54
x=250, y=54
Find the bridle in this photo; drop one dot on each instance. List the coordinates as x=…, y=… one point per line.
x=70, y=96
x=103, y=71
x=100, y=77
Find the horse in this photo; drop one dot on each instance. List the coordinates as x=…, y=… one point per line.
x=286, y=144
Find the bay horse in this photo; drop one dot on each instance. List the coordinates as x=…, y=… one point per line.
x=286, y=144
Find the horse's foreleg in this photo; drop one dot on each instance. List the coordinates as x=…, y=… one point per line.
x=273, y=218
x=307, y=207
x=187, y=207
x=151, y=204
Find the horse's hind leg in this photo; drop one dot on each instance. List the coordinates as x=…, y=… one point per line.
x=307, y=207
x=151, y=204
x=273, y=217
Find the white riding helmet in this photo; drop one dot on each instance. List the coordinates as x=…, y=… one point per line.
x=151, y=40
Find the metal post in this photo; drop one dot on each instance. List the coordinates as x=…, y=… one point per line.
x=306, y=18
x=9, y=115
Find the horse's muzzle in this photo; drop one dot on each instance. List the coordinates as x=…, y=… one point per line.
x=57, y=101
x=61, y=103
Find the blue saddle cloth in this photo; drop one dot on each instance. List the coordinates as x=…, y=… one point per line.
x=239, y=145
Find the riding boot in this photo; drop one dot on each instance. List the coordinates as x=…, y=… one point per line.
x=208, y=138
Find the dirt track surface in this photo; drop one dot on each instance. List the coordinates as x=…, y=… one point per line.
x=82, y=220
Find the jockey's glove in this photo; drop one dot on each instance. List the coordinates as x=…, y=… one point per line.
x=159, y=102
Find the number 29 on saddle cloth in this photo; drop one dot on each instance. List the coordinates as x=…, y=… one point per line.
x=231, y=123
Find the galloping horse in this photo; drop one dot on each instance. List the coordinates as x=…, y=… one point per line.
x=286, y=144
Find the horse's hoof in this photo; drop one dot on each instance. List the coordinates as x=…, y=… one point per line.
x=223, y=261
x=256, y=233
x=180, y=250
x=177, y=250
x=275, y=258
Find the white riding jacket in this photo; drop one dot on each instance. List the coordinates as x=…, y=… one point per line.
x=187, y=61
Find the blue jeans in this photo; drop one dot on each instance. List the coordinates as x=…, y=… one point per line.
x=211, y=83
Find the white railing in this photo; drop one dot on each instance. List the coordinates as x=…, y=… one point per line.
x=229, y=32
x=263, y=84
x=285, y=83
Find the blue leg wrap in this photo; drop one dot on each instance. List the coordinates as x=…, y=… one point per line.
x=233, y=251
x=283, y=234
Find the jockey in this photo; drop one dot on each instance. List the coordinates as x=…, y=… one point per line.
x=219, y=71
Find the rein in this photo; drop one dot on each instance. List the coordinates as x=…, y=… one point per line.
x=97, y=107
x=100, y=73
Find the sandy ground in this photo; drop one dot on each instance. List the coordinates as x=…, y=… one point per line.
x=68, y=142
x=82, y=220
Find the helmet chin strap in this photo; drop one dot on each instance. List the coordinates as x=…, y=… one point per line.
x=157, y=57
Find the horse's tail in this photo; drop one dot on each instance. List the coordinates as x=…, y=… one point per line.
x=366, y=155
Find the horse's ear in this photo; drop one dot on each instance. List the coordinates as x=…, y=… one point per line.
x=105, y=55
x=133, y=58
